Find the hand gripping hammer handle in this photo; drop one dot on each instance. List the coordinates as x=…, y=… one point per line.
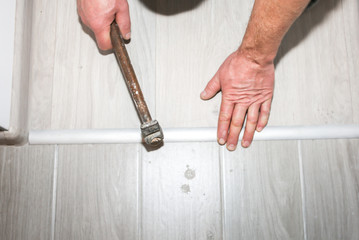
x=151, y=130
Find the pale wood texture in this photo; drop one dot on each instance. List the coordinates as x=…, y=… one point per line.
x=331, y=180
x=43, y=63
x=97, y=194
x=26, y=192
x=351, y=33
x=262, y=193
x=181, y=192
x=314, y=78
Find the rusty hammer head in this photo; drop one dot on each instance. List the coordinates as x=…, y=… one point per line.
x=152, y=133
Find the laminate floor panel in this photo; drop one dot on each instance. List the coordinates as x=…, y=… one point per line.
x=43, y=63
x=273, y=190
x=181, y=196
x=331, y=180
x=351, y=33
x=262, y=192
x=314, y=65
x=26, y=175
x=97, y=192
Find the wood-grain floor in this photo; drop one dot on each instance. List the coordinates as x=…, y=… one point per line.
x=274, y=190
x=331, y=181
x=181, y=197
x=313, y=68
x=26, y=175
x=262, y=192
x=97, y=192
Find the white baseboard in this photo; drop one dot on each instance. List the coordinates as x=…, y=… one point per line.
x=106, y=136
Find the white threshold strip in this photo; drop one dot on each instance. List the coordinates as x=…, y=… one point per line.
x=102, y=136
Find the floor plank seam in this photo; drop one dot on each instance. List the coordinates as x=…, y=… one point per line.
x=54, y=193
x=348, y=57
x=222, y=192
x=155, y=67
x=139, y=191
x=53, y=71
x=302, y=188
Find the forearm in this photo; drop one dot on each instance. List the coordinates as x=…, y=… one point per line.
x=269, y=22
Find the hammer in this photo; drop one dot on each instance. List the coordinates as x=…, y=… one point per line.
x=150, y=129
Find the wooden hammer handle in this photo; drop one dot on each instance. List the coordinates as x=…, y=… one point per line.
x=129, y=74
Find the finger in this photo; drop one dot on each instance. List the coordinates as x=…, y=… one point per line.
x=103, y=38
x=81, y=13
x=123, y=20
x=212, y=88
x=264, y=115
x=236, y=126
x=224, y=120
x=82, y=18
x=252, y=118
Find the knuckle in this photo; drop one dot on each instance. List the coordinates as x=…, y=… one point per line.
x=264, y=116
x=237, y=123
x=212, y=86
x=124, y=21
x=245, y=101
x=252, y=119
x=95, y=26
x=262, y=124
x=103, y=46
x=124, y=6
x=224, y=117
x=125, y=26
x=265, y=111
x=84, y=21
x=263, y=119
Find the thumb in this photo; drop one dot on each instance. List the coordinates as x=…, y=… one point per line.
x=212, y=88
x=123, y=20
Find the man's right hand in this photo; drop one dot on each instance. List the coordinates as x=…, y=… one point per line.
x=98, y=16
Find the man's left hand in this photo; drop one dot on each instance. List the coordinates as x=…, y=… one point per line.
x=247, y=89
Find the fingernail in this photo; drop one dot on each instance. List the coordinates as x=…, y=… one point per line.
x=221, y=141
x=259, y=129
x=231, y=147
x=246, y=144
x=128, y=35
x=203, y=94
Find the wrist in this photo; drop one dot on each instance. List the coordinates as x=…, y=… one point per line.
x=257, y=55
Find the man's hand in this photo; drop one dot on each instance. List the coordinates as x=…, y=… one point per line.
x=247, y=87
x=98, y=16
x=246, y=78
